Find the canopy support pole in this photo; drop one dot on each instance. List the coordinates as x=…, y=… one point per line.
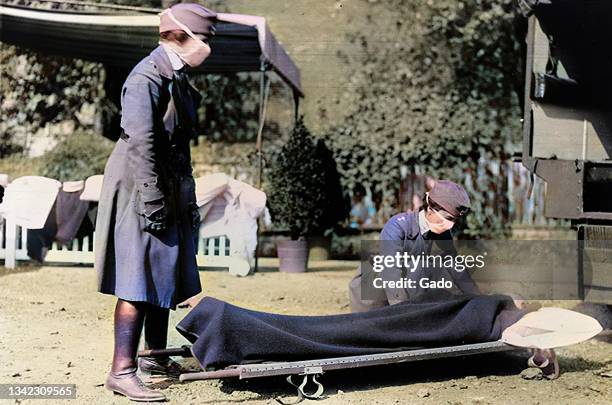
x=264, y=91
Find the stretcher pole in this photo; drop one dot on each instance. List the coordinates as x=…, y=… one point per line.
x=319, y=366
x=183, y=351
x=210, y=375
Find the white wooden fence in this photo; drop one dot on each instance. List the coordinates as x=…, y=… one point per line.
x=211, y=252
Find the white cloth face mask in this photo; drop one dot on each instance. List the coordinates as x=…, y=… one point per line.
x=192, y=51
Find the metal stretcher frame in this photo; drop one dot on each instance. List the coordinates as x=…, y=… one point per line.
x=316, y=367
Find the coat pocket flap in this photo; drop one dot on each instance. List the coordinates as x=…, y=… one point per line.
x=148, y=189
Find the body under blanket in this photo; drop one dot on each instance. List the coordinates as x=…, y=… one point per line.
x=223, y=334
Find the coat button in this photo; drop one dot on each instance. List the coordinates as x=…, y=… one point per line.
x=146, y=185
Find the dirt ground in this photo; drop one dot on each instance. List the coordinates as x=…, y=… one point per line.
x=54, y=328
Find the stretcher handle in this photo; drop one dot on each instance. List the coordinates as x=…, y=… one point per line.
x=183, y=351
x=208, y=375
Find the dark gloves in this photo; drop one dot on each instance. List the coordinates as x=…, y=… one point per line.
x=195, y=216
x=156, y=216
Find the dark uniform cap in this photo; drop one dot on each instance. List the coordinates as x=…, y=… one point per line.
x=450, y=196
x=197, y=18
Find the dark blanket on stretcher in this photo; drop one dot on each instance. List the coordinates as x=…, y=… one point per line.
x=223, y=334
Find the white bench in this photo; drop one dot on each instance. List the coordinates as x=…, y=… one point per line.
x=213, y=252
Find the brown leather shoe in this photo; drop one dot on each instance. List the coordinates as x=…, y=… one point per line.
x=131, y=386
x=160, y=366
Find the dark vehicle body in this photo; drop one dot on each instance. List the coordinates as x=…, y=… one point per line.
x=567, y=132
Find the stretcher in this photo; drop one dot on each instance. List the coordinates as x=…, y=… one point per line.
x=310, y=370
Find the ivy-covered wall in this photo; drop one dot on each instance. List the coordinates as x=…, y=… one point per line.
x=435, y=88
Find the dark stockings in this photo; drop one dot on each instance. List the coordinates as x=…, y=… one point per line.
x=129, y=319
x=156, y=327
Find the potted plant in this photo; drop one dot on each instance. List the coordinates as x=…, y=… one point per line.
x=304, y=195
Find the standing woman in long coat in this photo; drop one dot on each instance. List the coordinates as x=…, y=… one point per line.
x=147, y=217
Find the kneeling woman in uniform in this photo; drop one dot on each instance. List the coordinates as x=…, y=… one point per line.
x=424, y=232
x=147, y=217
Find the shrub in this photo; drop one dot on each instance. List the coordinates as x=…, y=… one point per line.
x=77, y=157
x=303, y=186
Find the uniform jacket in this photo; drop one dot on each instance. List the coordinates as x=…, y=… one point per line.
x=150, y=162
x=402, y=234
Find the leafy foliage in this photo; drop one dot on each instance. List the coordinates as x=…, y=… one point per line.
x=435, y=90
x=38, y=89
x=79, y=156
x=304, y=192
x=16, y=166
x=230, y=107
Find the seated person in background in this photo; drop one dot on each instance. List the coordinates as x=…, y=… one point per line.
x=426, y=231
x=360, y=210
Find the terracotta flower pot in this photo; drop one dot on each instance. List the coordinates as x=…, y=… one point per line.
x=292, y=255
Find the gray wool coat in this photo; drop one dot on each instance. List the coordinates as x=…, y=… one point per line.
x=151, y=161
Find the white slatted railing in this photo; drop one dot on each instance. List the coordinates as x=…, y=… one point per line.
x=13, y=242
x=212, y=252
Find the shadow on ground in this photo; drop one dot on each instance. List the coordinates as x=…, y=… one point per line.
x=22, y=268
